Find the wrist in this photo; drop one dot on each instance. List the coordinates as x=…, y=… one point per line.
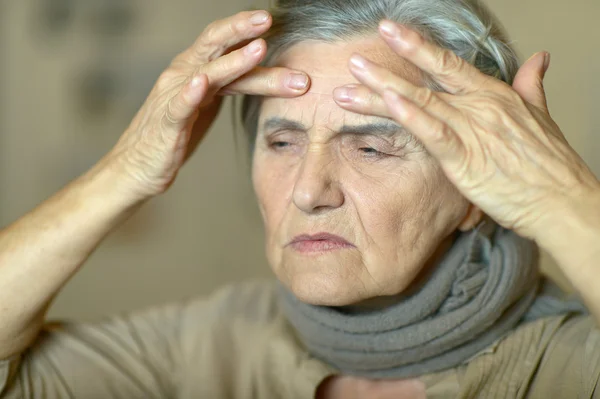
x=106, y=186
x=571, y=233
x=111, y=181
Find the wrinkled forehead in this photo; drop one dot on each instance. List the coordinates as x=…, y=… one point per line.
x=327, y=66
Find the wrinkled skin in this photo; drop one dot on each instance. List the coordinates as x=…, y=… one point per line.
x=187, y=97
x=382, y=192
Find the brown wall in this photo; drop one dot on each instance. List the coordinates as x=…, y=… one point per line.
x=56, y=120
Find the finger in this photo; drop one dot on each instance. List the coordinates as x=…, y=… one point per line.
x=228, y=68
x=274, y=82
x=220, y=35
x=238, y=46
x=529, y=81
x=453, y=73
x=183, y=106
x=439, y=139
x=378, y=79
x=361, y=100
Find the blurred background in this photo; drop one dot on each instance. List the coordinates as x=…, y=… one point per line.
x=73, y=73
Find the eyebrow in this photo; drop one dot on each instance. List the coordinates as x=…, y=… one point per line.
x=282, y=124
x=381, y=128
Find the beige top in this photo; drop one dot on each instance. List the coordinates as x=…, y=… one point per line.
x=237, y=344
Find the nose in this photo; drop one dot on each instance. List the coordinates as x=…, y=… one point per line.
x=317, y=186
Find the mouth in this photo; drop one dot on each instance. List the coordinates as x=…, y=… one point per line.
x=320, y=242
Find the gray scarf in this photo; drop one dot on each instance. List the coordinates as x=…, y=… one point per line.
x=486, y=285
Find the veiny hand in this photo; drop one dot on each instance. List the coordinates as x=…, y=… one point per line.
x=187, y=96
x=496, y=143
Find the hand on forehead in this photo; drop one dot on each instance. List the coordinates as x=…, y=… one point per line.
x=327, y=66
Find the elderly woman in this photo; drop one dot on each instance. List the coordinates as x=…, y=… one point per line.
x=404, y=169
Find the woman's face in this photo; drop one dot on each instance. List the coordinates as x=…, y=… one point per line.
x=353, y=206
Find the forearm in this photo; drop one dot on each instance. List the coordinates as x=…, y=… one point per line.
x=574, y=242
x=43, y=249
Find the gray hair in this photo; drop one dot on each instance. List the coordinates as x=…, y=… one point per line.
x=466, y=27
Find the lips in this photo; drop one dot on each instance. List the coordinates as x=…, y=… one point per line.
x=320, y=242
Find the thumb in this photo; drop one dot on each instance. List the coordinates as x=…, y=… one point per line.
x=529, y=81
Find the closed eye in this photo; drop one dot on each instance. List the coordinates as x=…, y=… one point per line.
x=370, y=151
x=280, y=144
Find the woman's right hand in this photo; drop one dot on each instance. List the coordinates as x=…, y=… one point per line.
x=43, y=249
x=186, y=98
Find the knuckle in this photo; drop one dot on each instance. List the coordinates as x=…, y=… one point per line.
x=237, y=28
x=413, y=43
x=170, y=112
x=442, y=132
x=410, y=117
x=448, y=62
x=238, y=62
x=411, y=48
x=167, y=79
x=424, y=97
x=209, y=35
x=213, y=34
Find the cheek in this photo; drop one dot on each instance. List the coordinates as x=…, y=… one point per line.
x=443, y=205
x=414, y=202
x=387, y=195
x=272, y=186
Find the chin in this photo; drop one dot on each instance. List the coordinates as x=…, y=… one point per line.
x=335, y=281
x=327, y=290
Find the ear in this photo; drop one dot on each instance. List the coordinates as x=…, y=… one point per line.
x=472, y=218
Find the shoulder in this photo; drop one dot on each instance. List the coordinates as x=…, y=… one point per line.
x=570, y=366
x=234, y=312
x=552, y=357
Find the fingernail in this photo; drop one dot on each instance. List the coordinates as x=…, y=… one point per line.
x=297, y=81
x=259, y=18
x=358, y=61
x=546, y=62
x=389, y=28
x=343, y=94
x=254, y=47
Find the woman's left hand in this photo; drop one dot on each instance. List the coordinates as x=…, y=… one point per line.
x=496, y=143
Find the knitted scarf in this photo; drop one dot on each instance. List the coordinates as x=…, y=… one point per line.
x=484, y=286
